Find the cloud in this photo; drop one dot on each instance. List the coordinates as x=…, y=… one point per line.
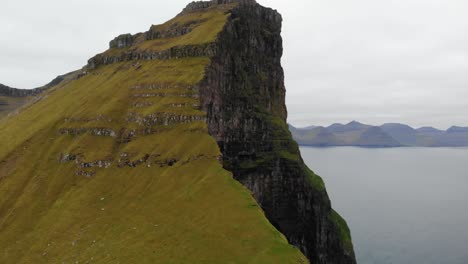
x=374, y=61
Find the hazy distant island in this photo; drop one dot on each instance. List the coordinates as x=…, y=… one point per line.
x=384, y=136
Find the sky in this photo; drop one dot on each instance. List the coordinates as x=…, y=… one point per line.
x=375, y=61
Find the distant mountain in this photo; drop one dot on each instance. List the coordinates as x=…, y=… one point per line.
x=404, y=134
x=386, y=135
x=457, y=129
x=12, y=99
x=350, y=133
x=316, y=136
x=352, y=126
x=376, y=137
x=309, y=127
x=429, y=130
x=455, y=136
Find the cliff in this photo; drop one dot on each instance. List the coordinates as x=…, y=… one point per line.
x=243, y=94
x=172, y=145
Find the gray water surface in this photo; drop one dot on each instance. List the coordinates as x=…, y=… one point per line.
x=403, y=205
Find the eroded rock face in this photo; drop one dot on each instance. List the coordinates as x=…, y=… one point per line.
x=177, y=52
x=103, y=132
x=163, y=119
x=243, y=94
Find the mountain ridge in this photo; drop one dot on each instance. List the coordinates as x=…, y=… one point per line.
x=386, y=135
x=12, y=99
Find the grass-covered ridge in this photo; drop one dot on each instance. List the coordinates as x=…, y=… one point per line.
x=117, y=166
x=198, y=27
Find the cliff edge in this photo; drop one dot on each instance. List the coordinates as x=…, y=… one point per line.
x=172, y=145
x=243, y=93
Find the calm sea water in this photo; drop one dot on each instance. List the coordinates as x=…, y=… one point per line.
x=403, y=205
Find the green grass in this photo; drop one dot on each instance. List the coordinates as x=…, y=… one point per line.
x=191, y=212
x=315, y=180
x=343, y=228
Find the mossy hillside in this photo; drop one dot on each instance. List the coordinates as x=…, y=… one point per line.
x=189, y=210
x=343, y=228
x=104, y=93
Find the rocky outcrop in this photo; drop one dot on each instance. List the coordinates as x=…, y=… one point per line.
x=197, y=5
x=122, y=41
x=102, y=132
x=161, y=86
x=175, y=30
x=164, y=119
x=177, y=52
x=13, y=92
x=243, y=94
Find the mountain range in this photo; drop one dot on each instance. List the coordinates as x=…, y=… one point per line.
x=386, y=135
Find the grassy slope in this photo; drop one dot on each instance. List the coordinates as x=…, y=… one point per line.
x=191, y=212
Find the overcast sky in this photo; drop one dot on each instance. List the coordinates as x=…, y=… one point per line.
x=375, y=61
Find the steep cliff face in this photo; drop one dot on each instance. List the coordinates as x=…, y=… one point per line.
x=243, y=94
x=138, y=150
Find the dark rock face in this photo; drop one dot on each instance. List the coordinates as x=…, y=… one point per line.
x=243, y=94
